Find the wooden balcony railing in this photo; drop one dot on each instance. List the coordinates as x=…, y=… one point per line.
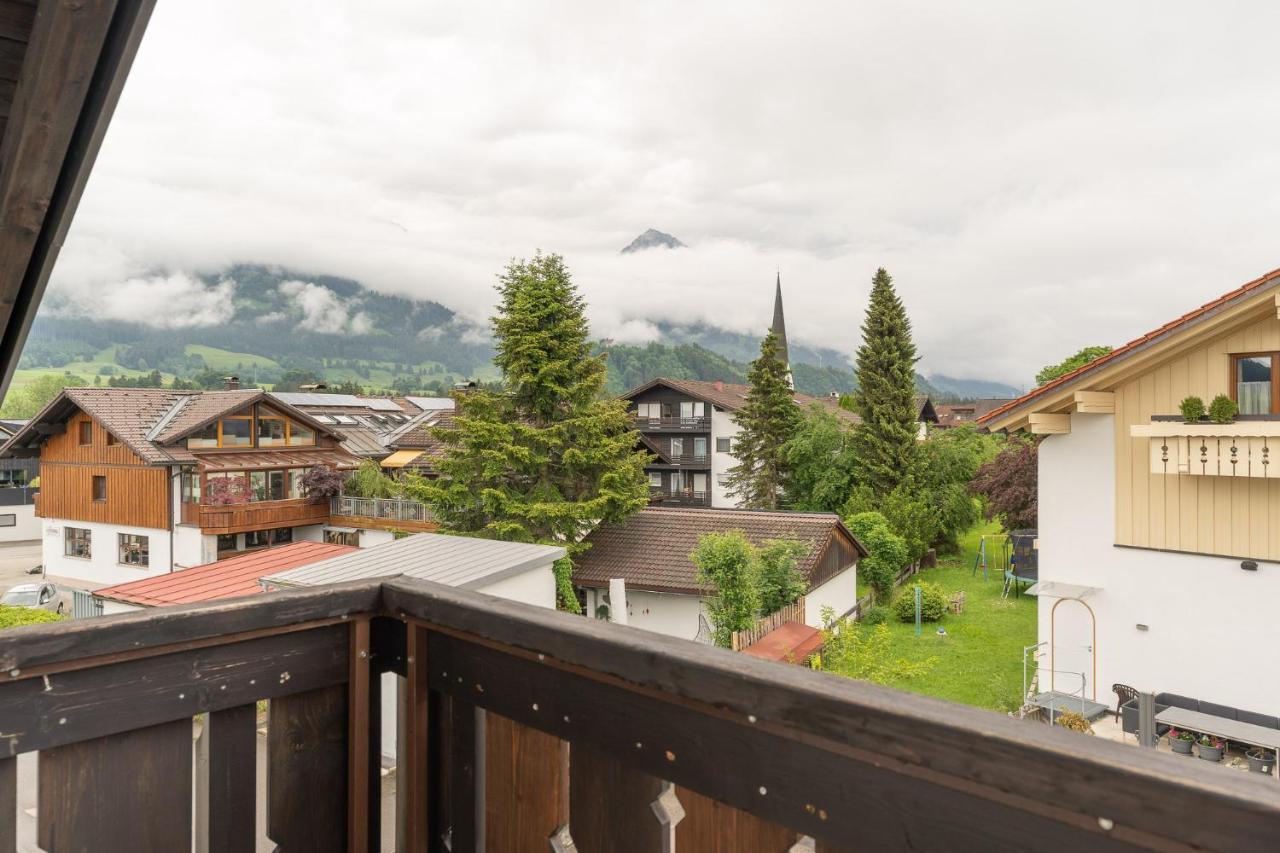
x=680, y=498
x=672, y=422
x=255, y=515
x=520, y=728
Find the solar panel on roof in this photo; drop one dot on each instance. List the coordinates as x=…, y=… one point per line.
x=431, y=403
x=381, y=404
x=298, y=398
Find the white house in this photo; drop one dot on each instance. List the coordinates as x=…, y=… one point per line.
x=650, y=552
x=1159, y=541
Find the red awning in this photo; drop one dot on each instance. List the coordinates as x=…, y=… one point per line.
x=790, y=643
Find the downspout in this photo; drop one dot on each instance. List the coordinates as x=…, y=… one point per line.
x=171, y=518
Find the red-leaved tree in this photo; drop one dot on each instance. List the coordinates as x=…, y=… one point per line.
x=1009, y=483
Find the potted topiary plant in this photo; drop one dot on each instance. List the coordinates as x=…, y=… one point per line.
x=1210, y=748
x=1180, y=741
x=1261, y=760
x=1223, y=409
x=1192, y=409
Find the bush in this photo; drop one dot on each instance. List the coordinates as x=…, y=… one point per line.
x=1009, y=484
x=12, y=617
x=368, y=481
x=726, y=562
x=1223, y=409
x=1192, y=409
x=857, y=652
x=887, y=551
x=875, y=615
x=321, y=483
x=1074, y=721
x=778, y=580
x=933, y=603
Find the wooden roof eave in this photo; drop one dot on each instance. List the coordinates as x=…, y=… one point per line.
x=77, y=59
x=1142, y=358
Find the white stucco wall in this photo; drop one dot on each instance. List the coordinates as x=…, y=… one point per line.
x=675, y=615
x=26, y=528
x=722, y=426
x=110, y=607
x=103, y=567
x=191, y=547
x=536, y=587
x=370, y=537
x=1210, y=626
x=839, y=593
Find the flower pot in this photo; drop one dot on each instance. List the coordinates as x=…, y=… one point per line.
x=1209, y=753
x=1261, y=760
x=1182, y=747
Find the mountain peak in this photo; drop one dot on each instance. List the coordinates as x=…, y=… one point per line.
x=653, y=239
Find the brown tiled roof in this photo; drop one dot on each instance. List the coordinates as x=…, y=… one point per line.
x=731, y=396
x=1245, y=290
x=651, y=548
x=132, y=415
x=205, y=407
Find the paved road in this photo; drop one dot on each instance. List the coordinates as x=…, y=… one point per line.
x=15, y=559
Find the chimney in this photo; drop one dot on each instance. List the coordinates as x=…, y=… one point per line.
x=231, y=383
x=719, y=385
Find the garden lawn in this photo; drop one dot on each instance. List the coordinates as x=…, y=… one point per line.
x=979, y=661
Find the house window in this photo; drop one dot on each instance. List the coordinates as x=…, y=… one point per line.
x=273, y=431
x=135, y=550
x=649, y=411
x=723, y=445
x=677, y=448
x=236, y=431
x=692, y=409
x=343, y=537
x=112, y=440
x=15, y=477
x=700, y=447
x=99, y=487
x=226, y=488
x=295, y=489
x=8, y=519
x=655, y=479
x=257, y=539
x=1253, y=386
x=226, y=542
x=281, y=535
x=300, y=435
x=204, y=437
x=86, y=433
x=78, y=543
x=190, y=485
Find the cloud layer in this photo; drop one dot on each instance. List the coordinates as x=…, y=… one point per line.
x=1037, y=178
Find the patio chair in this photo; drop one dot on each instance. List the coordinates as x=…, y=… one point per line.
x=1124, y=693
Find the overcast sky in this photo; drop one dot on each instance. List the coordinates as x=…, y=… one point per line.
x=1037, y=177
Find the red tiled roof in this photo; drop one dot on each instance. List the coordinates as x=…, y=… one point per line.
x=792, y=642
x=230, y=578
x=651, y=548
x=1244, y=290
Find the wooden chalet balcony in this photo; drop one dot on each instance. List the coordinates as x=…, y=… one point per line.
x=672, y=423
x=521, y=728
x=385, y=513
x=690, y=460
x=680, y=498
x=255, y=515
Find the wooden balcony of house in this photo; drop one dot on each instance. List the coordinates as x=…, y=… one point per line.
x=684, y=460
x=681, y=497
x=672, y=423
x=254, y=515
x=521, y=728
x=381, y=513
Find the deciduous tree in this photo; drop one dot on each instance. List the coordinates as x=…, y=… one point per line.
x=1009, y=483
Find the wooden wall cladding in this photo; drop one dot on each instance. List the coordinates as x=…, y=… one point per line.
x=136, y=495
x=66, y=446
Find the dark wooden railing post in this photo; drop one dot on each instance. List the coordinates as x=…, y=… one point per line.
x=8, y=804
x=412, y=773
x=364, y=747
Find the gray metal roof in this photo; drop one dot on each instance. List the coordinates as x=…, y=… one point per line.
x=302, y=398
x=431, y=404
x=458, y=561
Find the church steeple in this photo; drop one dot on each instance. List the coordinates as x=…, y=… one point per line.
x=779, y=328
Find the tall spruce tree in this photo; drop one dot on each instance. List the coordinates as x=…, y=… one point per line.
x=546, y=458
x=766, y=422
x=885, y=442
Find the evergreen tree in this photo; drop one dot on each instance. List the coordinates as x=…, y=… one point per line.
x=544, y=459
x=885, y=442
x=766, y=422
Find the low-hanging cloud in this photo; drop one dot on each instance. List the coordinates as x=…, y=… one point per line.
x=163, y=301
x=323, y=310
x=1037, y=178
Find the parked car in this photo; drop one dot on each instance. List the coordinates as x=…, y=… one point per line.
x=43, y=596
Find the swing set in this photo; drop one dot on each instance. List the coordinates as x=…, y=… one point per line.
x=1012, y=555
